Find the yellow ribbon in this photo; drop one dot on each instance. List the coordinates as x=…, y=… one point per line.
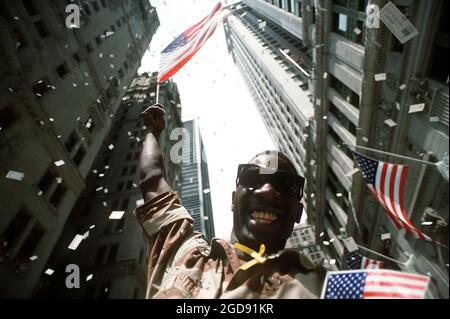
x=258, y=257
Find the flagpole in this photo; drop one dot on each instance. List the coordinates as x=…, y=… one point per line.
x=157, y=92
x=392, y=154
x=381, y=255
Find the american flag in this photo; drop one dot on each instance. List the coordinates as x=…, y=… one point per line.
x=184, y=47
x=386, y=181
x=374, y=284
x=357, y=261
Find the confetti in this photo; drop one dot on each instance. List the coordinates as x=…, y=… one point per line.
x=325, y=117
x=434, y=118
x=385, y=236
x=75, y=242
x=51, y=119
x=106, y=167
x=59, y=180
x=111, y=56
x=339, y=194
x=40, y=193
x=402, y=87
x=332, y=261
x=397, y=106
x=105, y=204
x=86, y=235
x=59, y=163
x=111, y=146
x=100, y=55
x=206, y=191
x=109, y=33
x=414, y=108
x=49, y=271
x=94, y=171
x=390, y=123
x=427, y=223
x=350, y=244
x=326, y=243
x=92, y=227
x=139, y=202
x=33, y=258
x=89, y=277
x=380, y=77
x=325, y=75
x=321, y=234
x=74, y=85
x=352, y=172
x=357, y=31
x=106, y=191
x=99, y=189
x=116, y=214
x=18, y=176
x=365, y=139
x=101, y=175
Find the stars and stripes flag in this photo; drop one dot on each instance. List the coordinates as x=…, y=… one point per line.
x=184, y=47
x=386, y=181
x=357, y=261
x=374, y=284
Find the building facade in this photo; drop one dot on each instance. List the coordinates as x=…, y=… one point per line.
x=59, y=89
x=115, y=252
x=195, y=191
x=361, y=82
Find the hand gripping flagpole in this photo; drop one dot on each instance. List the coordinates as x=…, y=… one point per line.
x=157, y=92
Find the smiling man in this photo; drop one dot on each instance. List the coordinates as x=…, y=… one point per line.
x=254, y=264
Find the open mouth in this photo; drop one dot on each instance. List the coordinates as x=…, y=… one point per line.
x=261, y=217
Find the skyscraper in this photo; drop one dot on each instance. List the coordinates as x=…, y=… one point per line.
x=195, y=193
x=367, y=88
x=115, y=252
x=60, y=88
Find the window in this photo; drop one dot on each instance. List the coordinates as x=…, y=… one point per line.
x=133, y=169
x=87, y=9
x=98, y=40
x=41, y=28
x=129, y=156
x=62, y=70
x=136, y=155
x=79, y=156
x=47, y=180
x=77, y=58
x=120, y=186
x=7, y=117
x=89, y=48
x=41, y=87
x=121, y=73
x=58, y=194
x=20, y=39
x=438, y=65
x=30, y=7
x=141, y=256
x=104, y=3
x=113, y=28
x=95, y=5
x=125, y=65
x=71, y=142
x=119, y=24
x=15, y=228
x=129, y=185
x=113, y=253
x=101, y=252
x=119, y=225
x=125, y=203
x=124, y=171
x=28, y=248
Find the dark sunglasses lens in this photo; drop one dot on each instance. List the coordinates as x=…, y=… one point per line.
x=249, y=176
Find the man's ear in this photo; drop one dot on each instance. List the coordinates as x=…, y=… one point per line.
x=299, y=213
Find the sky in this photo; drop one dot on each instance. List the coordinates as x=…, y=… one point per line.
x=212, y=90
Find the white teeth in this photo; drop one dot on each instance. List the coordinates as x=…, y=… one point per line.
x=264, y=217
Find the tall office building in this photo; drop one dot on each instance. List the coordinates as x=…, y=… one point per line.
x=115, y=251
x=59, y=88
x=362, y=82
x=195, y=192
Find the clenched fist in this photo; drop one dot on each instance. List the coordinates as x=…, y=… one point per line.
x=154, y=118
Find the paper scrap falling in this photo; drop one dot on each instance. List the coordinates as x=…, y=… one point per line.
x=390, y=123
x=49, y=271
x=414, y=108
x=206, y=191
x=350, y=244
x=357, y=31
x=321, y=234
x=86, y=235
x=427, y=223
x=332, y=261
x=402, y=87
x=89, y=277
x=76, y=242
x=365, y=139
x=111, y=146
x=59, y=163
x=380, y=77
x=399, y=25
x=92, y=227
x=139, y=202
x=385, y=236
x=59, y=180
x=33, y=258
x=338, y=194
x=18, y=176
x=116, y=214
x=434, y=118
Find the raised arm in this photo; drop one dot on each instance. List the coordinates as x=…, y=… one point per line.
x=151, y=163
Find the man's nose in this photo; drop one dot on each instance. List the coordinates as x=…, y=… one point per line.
x=267, y=190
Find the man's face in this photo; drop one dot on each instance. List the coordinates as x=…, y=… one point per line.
x=264, y=214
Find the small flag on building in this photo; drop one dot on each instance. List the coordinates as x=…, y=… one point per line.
x=386, y=181
x=186, y=45
x=357, y=261
x=374, y=284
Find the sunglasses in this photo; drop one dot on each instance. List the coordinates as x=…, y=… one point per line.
x=288, y=184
